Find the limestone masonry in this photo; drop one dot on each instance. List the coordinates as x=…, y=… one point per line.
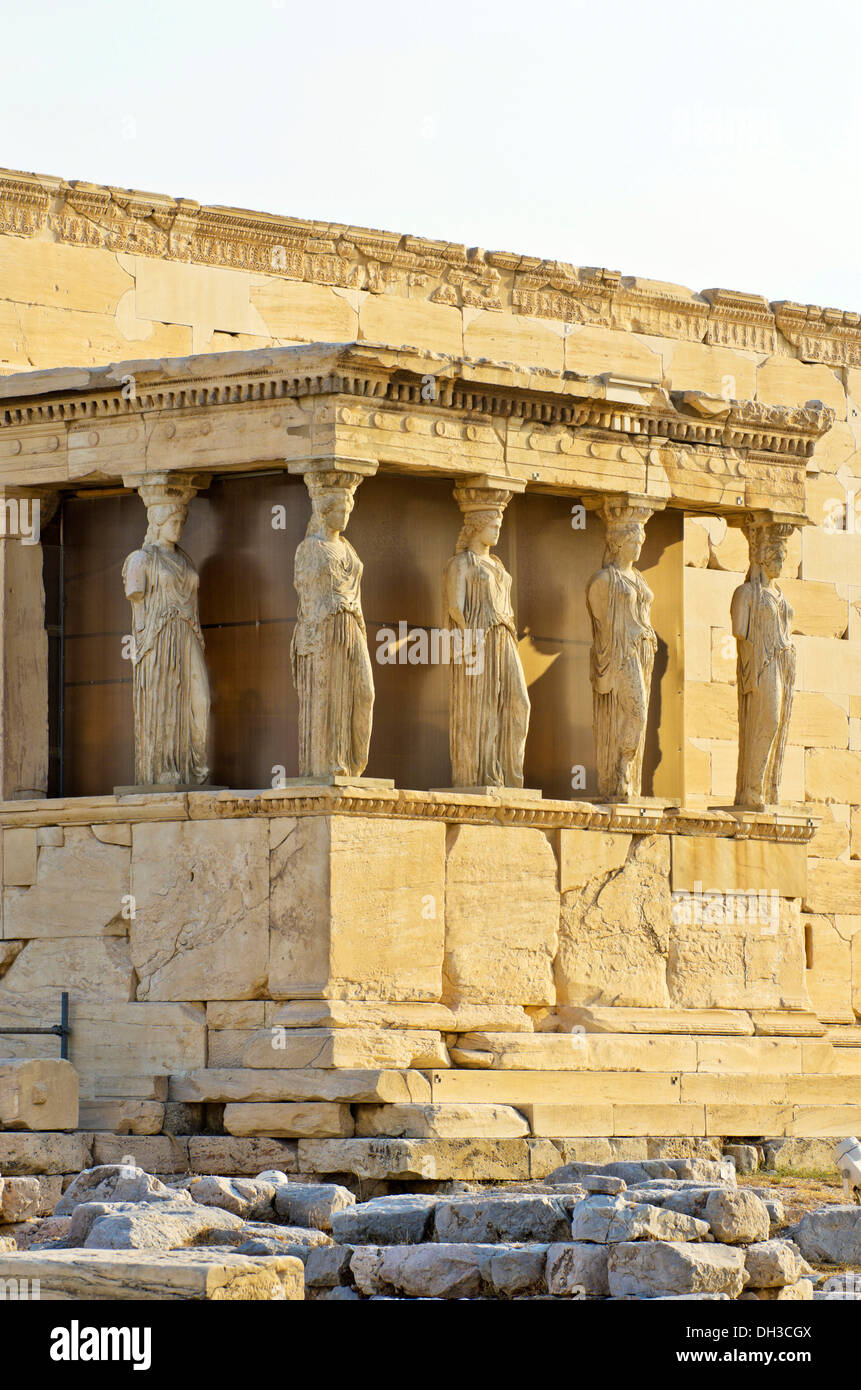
x=430, y=699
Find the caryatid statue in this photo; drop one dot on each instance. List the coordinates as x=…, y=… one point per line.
x=331, y=665
x=489, y=704
x=171, y=684
x=623, y=652
x=762, y=626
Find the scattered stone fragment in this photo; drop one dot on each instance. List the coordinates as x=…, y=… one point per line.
x=47, y=1231
x=249, y=1198
x=772, y=1264
x=516, y=1216
x=690, y=1169
x=737, y=1216
x=312, y=1204
x=19, y=1199
x=830, y=1235
x=577, y=1270
x=745, y=1157
x=160, y=1274
x=801, y=1292
x=115, y=1182
x=283, y=1235
x=607, y=1220
x=776, y=1212
x=449, y=1271
x=650, y=1269
x=150, y=1226
x=328, y=1266
x=38, y=1094
x=603, y=1182
x=398, y=1220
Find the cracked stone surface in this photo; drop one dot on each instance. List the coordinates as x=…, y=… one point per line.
x=201, y=924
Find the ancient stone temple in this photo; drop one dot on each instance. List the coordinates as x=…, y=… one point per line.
x=430, y=692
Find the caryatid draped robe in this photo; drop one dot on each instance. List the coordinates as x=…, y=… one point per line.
x=331, y=664
x=171, y=684
x=762, y=624
x=489, y=703
x=622, y=658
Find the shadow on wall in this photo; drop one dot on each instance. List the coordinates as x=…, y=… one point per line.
x=242, y=535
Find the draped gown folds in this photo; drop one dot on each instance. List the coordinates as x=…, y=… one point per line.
x=331, y=666
x=171, y=684
x=622, y=658
x=762, y=623
x=489, y=703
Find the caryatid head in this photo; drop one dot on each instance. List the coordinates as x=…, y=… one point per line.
x=166, y=509
x=332, y=496
x=483, y=509
x=625, y=532
x=768, y=541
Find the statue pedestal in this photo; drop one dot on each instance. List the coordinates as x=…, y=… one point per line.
x=506, y=793
x=156, y=788
x=638, y=803
x=337, y=779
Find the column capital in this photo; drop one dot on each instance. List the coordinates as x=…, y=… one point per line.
x=169, y=486
x=616, y=508
x=486, y=491
x=756, y=520
x=333, y=463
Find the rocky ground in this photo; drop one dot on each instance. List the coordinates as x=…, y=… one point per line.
x=658, y=1229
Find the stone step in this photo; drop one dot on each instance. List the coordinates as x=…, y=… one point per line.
x=122, y=1116
x=253, y=1084
x=139, y=1274
x=290, y=1120
x=297, y=1048
x=129, y=1088
x=584, y=1052
x=597, y=1019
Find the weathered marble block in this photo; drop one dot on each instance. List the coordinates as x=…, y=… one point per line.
x=201, y=899
x=615, y=927
x=38, y=1095
x=77, y=887
x=738, y=865
x=88, y=967
x=707, y=931
x=356, y=908
x=502, y=915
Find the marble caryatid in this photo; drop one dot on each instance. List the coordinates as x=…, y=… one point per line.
x=623, y=652
x=331, y=665
x=489, y=704
x=762, y=626
x=171, y=684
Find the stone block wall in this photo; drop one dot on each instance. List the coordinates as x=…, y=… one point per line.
x=86, y=282
x=420, y=976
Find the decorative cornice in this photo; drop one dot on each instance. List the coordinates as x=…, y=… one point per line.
x=360, y=258
x=830, y=336
x=387, y=376
x=796, y=826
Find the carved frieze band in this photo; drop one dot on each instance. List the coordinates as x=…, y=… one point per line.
x=443, y=272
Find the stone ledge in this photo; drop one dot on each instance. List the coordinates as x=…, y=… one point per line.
x=784, y=825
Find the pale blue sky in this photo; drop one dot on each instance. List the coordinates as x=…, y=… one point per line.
x=705, y=144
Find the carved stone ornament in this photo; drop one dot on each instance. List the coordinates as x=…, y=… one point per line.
x=171, y=684
x=331, y=665
x=762, y=626
x=623, y=652
x=489, y=705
